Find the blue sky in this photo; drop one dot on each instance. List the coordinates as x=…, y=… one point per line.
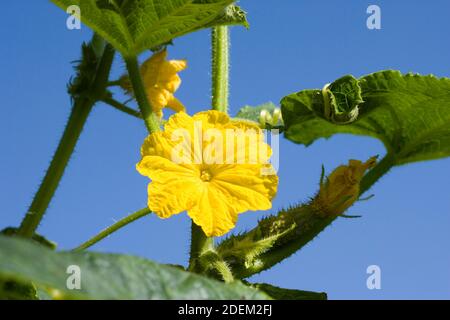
x=291, y=45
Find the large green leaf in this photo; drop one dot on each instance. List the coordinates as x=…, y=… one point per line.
x=409, y=113
x=109, y=276
x=134, y=26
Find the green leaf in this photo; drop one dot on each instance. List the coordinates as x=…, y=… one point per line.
x=11, y=290
x=409, y=113
x=109, y=276
x=134, y=26
x=11, y=232
x=342, y=99
x=289, y=294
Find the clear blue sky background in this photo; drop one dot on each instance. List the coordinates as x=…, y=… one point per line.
x=292, y=45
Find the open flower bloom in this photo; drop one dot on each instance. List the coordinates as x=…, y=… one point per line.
x=341, y=188
x=161, y=80
x=210, y=166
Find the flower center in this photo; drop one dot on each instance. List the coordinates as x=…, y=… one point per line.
x=205, y=175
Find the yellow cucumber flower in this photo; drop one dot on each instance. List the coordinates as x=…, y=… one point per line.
x=210, y=166
x=161, y=80
x=341, y=188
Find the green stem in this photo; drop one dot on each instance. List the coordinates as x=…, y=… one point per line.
x=116, y=226
x=80, y=112
x=224, y=270
x=220, y=60
x=376, y=173
x=220, y=68
x=200, y=243
x=293, y=229
x=121, y=107
x=308, y=225
x=150, y=119
x=77, y=119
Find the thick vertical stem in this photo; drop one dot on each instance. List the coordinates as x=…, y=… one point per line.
x=220, y=68
x=199, y=244
x=80, y=112
x=150, y=119
x=77, y=119
x=220, y=77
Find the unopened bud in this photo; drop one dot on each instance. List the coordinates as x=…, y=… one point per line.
x=341, y=188
x=264, y=118
x=277, y=117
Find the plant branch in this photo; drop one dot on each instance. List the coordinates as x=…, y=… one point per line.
x=200, y=244
x=150, y=119
x=121, y=107
x=80, y=112
x=220, y=68
x=275, y=238
x=305, y=224
x=116, y=226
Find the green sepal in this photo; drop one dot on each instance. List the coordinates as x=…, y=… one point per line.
x=248, y=247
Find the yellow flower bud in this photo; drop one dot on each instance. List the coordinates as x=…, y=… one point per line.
x=161, y=80
x=341, y=188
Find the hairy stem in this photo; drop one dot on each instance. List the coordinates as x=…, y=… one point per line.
x=308, y=224
x=200, y=243
x=220, y=60
x=290, y=230
x=80, y=112
x=121, y=107
x=220, y=68
x=116, y=226
x=150, y=119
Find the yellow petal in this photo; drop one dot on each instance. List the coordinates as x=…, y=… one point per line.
x=159, y=168
x=178, y=65
x=246, y=187
x=157, y=144
x=158, y=98
x=166, y=198
x=168, y=178
x=171, y=84
x=213, y=213
x=178, y=121
x=188, y=134
x=150, y=69
x=175, y=105
x=212, y=119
